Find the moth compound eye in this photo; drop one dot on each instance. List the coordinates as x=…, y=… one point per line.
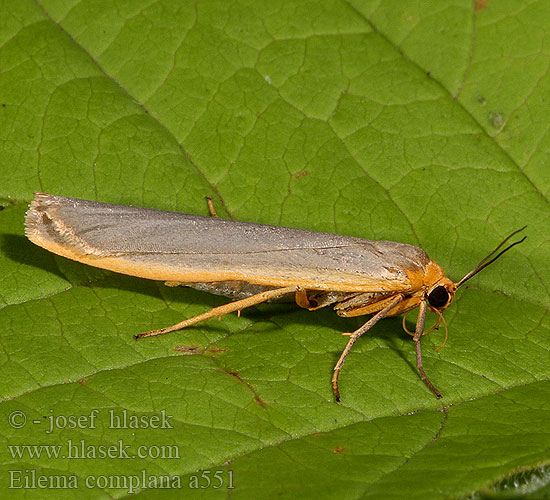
x=438, y=297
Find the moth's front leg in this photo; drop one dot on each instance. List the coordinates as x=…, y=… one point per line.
x=420, y=323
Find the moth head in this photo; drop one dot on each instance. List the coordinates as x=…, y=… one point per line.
x=442, y=294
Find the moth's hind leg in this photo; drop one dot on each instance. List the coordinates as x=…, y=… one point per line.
x=220, y=311
x=211, y=208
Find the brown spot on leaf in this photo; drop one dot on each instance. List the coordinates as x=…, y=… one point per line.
x=480, y=4
x=195, y=349
x=189, y=349
x=257, y=398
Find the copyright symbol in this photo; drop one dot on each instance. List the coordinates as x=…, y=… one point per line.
x=17, y=419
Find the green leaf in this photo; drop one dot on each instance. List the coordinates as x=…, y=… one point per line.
x=421, y=122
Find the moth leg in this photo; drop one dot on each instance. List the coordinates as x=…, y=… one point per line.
x=355, y=335
x=211, y=206
x=301, y=298
x=420, y=322
x=222, y=310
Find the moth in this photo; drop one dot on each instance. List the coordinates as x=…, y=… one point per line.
x=253, y=263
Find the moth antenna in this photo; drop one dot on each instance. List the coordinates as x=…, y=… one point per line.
x=486, y=262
